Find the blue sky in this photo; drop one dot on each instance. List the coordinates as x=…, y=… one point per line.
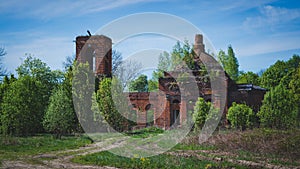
x=260, y=32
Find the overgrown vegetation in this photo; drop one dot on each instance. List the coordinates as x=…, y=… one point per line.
x=241, y=116
x=263, y=142
x=162, y=161
x=12, y=148
x=146, y=132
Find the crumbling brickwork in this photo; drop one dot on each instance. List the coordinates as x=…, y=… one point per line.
x=171, y=104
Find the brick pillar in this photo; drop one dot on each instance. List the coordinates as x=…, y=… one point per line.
x=183, y=111
x=142, y=118
x=167, y=114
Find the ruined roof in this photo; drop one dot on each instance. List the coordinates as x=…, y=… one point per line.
x=249, y=87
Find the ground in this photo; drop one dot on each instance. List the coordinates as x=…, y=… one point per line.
x=95, y=155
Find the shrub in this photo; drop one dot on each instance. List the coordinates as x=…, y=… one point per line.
x=201, y=110
x=241, y=116
x=60, y=117
x=204, y=112
x=279, y=109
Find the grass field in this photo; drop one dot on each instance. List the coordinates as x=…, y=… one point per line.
x=227, y=149
x=13, y=148
x=105, y=158
x=258, y=147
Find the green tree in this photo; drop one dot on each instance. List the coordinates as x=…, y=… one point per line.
x=279, y=109
x=107, y=105
x=152, y=85
x=241, y=116
x=249, y=78
x=140, y=84
x=181, y=58
x=222, y=58
x=67, y=88
x=39, y=71
x=59, y=118
x=201, y=111
x=273, y=75
x=229, y=63
x=182, y=54
x=22, y=109
x=280, y=72
x=83, y=87
x=294, y=86
x=205, y=112
x=3, y=88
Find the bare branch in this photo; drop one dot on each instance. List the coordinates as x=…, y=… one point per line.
x=128, y=71
x=116, y=61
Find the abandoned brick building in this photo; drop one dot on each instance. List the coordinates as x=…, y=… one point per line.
x=170, y=106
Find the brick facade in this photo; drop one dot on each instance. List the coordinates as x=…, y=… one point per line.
x=170, y=106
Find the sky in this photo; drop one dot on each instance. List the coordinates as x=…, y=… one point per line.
x=260, y=31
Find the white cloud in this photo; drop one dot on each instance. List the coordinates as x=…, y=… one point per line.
x=275, y=43
x=242, y=5
x=50, y=9
x=271, y=16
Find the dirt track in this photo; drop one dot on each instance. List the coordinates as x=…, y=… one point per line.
x=62, y=159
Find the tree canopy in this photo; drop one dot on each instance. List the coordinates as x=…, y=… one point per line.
x=140, y=84
x=229, y=62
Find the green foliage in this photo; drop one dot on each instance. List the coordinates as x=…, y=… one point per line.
x=83, y=88
x=279, y=73
x=107, y=105
x=145, y=133
x=164, y=62
x=279, y=109
x=201, y=111
x=140, y=84
x=39, y=70
x=248, y=78
x=152, y=85
x=181, y=58
x=230, y=63
x=273, y=75
x=294, y=86
x=241, y=116
x=13, y=148
x=22, y=108
x=162, y=161
x=182, y=54
x=60, y=116
x=26, y=99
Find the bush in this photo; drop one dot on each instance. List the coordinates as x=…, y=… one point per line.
x=204, y=112
x=201, y=110
x=241, y=116
x=279, y=109
x=60, y=117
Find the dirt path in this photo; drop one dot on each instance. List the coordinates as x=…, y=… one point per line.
x=61, y=159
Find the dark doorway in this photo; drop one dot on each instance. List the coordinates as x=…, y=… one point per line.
x=175, y=119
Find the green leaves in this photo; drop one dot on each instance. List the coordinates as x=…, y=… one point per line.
x=201, y=111
x=140, y=84
x=279, y=109
x=248, y=78
x=230, y=63
x=59, y=117
x=241, y=116
x=22, y=109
